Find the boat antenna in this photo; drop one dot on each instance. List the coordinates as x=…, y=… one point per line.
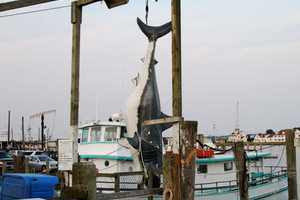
x=237, y=122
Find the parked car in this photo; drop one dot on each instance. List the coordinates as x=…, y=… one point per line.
x=7, y=159
x=40, y=163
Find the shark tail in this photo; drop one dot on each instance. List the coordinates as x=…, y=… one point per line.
x=154, y=32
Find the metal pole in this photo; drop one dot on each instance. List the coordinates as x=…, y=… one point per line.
x=74, y=104
x=42, y=131
x=8, y=128
x=176, y=58
x=291, y=164
x=23, y=139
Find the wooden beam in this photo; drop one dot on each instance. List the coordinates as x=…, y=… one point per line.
x=176, y=58
x=240, y=163
x=291, y=164
x=86, y=2
x=188, y=132
x=74, y=104
x=21, y=4
x=168, y=120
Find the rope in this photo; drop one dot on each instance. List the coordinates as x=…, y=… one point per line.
x=147, y=11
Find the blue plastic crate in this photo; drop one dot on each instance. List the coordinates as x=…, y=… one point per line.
x=20, y=186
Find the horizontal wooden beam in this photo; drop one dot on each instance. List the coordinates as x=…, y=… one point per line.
x=86, y=2
x=167, y=120
x=21, y=4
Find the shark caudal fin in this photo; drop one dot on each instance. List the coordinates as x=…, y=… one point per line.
x=154, y=32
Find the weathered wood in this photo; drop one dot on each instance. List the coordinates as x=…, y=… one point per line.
x=176, y=58
x=297, y=149
x=74, y=104
x=21, y=4
x=84, y=174
x=188, y=131
x=291, y=164
x=179, y=163
x=136, y=193
x=86, y=2
x=242, y=176
x=168, y=120
x=171, y=172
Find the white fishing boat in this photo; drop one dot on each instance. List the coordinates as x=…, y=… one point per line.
x=102, y=142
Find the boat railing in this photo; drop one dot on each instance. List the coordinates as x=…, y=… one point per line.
x=121, y=181
x=255, y=178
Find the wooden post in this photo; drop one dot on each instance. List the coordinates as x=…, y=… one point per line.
x=188, y=131
x=242, y=176
x=179, y=164
x=84, y=176
x=176, y=58
x=150, y=184
x=297, y=149
x=117, y=182
x=26, y=164
x=171, y=167
x=76, y=15
x=291, y=164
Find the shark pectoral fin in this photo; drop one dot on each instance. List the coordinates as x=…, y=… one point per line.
x=154, y=61
x=134, y=141
x=165, y=126
x=154, y=32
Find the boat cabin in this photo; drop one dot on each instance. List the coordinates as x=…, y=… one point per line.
x=101, y=143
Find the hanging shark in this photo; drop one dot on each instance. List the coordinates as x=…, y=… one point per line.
x=144, y=104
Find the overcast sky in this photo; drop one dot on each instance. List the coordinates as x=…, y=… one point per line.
x=246, y=51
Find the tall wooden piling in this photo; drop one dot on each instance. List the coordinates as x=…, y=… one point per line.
x=188, y=131
x=76, y=18
x=179, y=163
x=291, y=164
x=176, y=58
x=242, y=176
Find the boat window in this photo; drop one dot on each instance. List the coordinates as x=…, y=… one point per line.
x=96, y=134
x=202, y=169
x=85, y=134
x=228, y=166
x=110, y=133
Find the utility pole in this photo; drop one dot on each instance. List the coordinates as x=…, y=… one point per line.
x=291, y=164
x=8, y=128
x=242, y=176
x=23, y=134
x=42, y=131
